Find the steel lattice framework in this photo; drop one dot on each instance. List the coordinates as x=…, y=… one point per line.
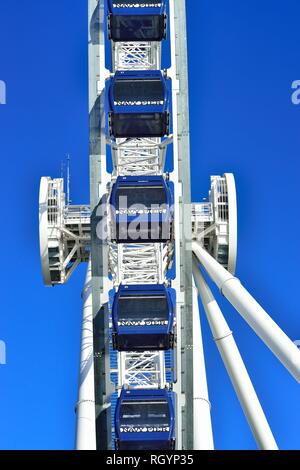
x=142, y=156
x=136, y=56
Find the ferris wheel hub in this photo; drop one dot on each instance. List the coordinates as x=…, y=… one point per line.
x=64, y=233
x=215, y=221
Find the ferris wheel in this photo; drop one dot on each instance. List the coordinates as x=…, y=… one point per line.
x=147, y=247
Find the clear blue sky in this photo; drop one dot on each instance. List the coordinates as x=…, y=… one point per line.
x=243, y=57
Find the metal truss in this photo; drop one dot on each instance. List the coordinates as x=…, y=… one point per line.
x=142, y=370
x=136, y=55
x=139, y=264
x=141, y=156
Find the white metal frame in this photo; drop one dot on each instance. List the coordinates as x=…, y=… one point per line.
x=85, y=408
x=142, y=369
x=140, y=263
x=215, y=222
x=64, y=233
x=140, y=156
x=136, y=55
x=203, y=433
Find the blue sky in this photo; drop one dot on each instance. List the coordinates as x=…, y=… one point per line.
x=243, y=58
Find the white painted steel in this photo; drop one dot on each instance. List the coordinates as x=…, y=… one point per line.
x=136, y=55
x=214, y=222
x=175, y=178
x=235, y=366
x=99, y=179
x=270, y=333
x=232, y=222
x=43, y=227
x=85, y=409
x=203, y=434
x=64, y=233
x=139, y=264
x=142, y=369
x=141, y=156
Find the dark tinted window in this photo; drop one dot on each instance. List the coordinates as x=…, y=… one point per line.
x=137, y=195
x=146, y=309
x=137, y=28
x=138, y=90
x=138, y=413
x=140, y=125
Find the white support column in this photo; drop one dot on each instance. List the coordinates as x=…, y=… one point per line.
x=258, y=319
x=235, y=366
x=86, y=426
x=203, y=435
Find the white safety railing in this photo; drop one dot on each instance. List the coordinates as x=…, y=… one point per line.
x=219, y=195
x=55, y=201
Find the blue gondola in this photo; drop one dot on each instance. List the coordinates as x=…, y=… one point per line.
x=144, y=420
x=138, y=104
x=137, y=20
x=143, y=318
x=141, y=210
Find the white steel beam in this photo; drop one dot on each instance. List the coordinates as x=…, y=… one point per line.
x=180, y=177
x=203, y=435
x=99, y=179
x=85, y=409
x=258, y=319
x=235, y=366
